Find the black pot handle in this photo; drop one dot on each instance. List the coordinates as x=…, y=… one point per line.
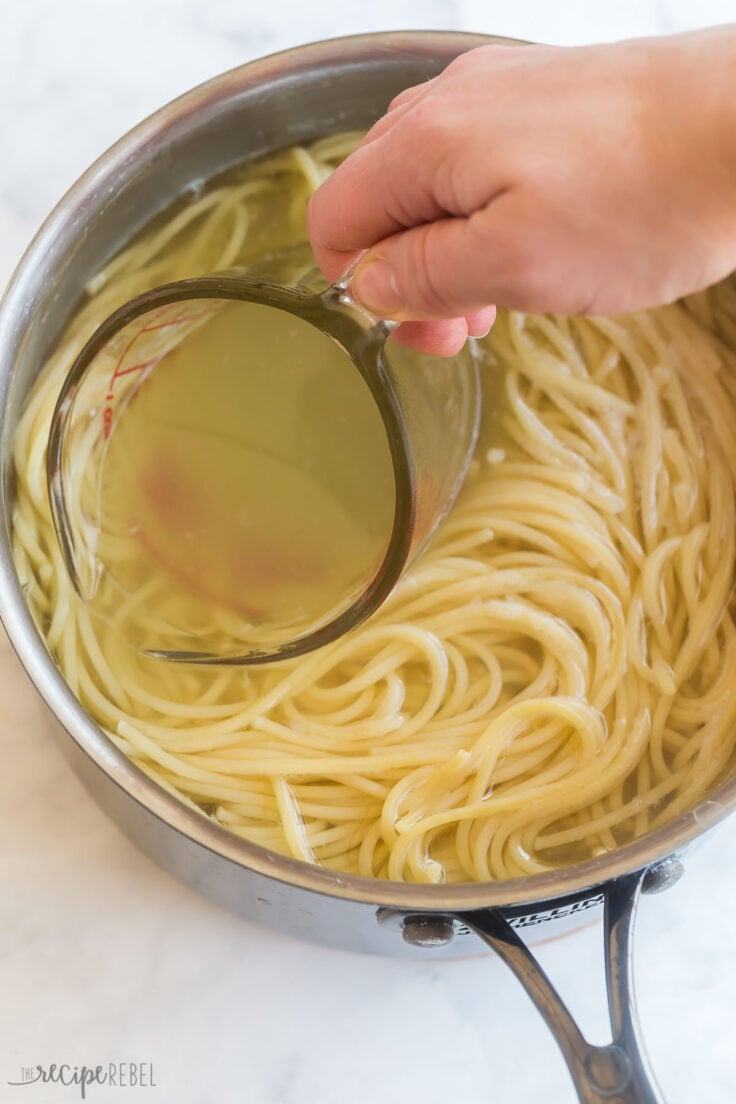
x=615, y=1074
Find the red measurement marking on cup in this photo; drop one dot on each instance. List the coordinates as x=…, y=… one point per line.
x=119, y=371
x=109, y=397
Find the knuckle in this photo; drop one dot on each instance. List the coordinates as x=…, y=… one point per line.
x=479, y=56
x=468, y=59
x=436, y=123
x=405, y=96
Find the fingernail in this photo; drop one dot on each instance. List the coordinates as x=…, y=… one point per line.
x=374, y=285
x=480, y=322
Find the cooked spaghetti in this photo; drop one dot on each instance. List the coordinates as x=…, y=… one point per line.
x=554, y=677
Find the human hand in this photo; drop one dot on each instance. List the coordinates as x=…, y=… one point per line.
x=584, y=181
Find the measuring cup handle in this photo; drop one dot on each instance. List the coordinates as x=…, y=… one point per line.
x=381, y=328
x=619, y=1072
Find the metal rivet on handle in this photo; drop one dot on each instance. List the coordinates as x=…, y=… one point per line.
x=428, y=931
x=663, y=875
x=609, y=1069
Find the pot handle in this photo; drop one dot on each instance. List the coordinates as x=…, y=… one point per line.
x=619, y=1072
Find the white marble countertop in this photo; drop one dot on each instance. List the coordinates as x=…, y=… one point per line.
x=103, y=957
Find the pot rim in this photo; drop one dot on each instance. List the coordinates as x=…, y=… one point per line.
x=102, y=180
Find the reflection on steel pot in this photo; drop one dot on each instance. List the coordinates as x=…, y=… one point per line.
x=292, y=97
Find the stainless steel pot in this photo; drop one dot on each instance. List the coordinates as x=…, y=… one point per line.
x=292, y=97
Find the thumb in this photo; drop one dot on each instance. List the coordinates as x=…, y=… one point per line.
x=449, y=268
x=428, y=272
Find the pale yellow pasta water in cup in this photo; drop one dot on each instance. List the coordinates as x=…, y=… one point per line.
x=239, y=456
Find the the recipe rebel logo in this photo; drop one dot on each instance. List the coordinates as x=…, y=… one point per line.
x=113, y=1075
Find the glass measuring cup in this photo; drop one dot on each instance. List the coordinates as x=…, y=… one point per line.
x=268, y=498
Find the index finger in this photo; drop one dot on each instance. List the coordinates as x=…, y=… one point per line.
x=383, y=187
